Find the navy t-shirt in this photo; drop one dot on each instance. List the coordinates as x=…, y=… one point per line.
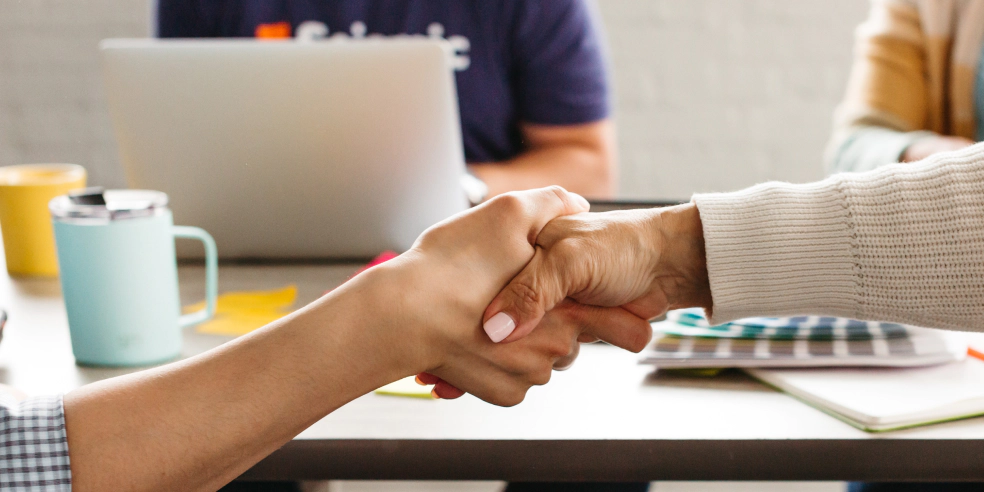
x=535, y=61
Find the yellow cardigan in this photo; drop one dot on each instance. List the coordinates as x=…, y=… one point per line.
x=914, y=74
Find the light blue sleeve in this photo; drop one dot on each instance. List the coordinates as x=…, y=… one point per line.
x=868, y=147
x=33, y=445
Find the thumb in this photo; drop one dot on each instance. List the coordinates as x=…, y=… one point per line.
x=520, y=306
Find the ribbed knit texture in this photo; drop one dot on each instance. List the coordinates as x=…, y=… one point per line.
x=901, y=243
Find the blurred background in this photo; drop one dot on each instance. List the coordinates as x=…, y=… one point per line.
x=712, y=95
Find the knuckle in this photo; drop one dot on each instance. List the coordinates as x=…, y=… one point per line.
x=527, y=299
x=561, y=194
x=512, y=398
x=559, y=349
x=516, y=362
x=541, y=376
x=510, y=204
x=587, y=338
x=437, y=234
x=564, y=364
x=642, y=338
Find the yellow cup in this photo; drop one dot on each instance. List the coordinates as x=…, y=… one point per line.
x=28, y=238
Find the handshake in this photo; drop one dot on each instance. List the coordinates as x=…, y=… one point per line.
x=507, y=291
x=493, y=300
x=532, y=268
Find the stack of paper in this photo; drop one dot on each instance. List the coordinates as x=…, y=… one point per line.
x=686, y=340
x=881, y=399
x=874, y=376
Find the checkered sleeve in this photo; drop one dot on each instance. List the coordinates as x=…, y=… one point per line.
x=33, y=445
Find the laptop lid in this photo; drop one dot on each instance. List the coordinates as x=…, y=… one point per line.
x=286, y=149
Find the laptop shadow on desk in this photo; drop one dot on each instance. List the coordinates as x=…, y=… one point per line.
x=728, y=380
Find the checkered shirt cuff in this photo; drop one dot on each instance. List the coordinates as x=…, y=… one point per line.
x=33, y=446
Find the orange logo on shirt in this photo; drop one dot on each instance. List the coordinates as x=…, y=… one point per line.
x=277, y=30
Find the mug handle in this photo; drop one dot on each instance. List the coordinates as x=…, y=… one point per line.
x=211, y=273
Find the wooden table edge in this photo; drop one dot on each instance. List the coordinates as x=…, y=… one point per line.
x=626, y=460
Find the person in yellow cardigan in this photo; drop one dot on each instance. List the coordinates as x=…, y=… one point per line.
x=916, y=86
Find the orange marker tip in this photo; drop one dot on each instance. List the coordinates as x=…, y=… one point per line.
x=975, y=353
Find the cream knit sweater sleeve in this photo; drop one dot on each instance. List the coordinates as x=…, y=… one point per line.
x=903, y=243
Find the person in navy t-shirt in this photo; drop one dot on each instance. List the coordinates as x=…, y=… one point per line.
x=532, y=80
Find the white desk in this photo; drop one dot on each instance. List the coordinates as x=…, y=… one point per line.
x=605, y=419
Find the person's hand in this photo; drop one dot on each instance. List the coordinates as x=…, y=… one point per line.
x=925, y=147
x=644, y=261
x=554, y=345
x=444, y=283
x=577, y=323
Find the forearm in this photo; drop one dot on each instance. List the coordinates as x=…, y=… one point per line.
x=580, y=170
x=581, y=158
x=198, y=423
x=901, y=243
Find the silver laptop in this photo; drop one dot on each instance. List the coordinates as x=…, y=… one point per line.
x=287, y=149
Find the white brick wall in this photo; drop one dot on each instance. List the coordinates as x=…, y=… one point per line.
x=715, y=95
x=712, y=94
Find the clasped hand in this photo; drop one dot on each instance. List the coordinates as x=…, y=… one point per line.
x=593, y=276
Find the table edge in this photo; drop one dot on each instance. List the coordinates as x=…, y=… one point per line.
x=625, y=460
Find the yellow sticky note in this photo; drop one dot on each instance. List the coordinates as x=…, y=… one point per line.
x=406, y=387
x=238, y=313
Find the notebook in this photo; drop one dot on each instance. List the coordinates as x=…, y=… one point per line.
x=686, y=340
x=884, y=399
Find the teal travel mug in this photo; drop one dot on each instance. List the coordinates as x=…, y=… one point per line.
x=119, y=276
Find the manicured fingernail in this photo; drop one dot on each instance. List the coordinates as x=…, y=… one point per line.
x=583, y=201
x=434, y=394
x=417, y=379
x=499, y=327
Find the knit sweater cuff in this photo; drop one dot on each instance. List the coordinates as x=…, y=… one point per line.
x=780, y=249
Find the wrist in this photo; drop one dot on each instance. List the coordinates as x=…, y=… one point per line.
x=397, y=307
x=681, y=266
x=378, y=329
